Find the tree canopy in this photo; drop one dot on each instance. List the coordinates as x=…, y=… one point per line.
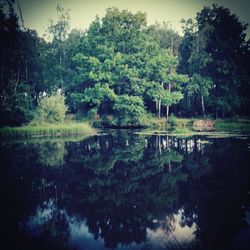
x=120, y=62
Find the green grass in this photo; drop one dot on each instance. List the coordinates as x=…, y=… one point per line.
x=159, y=123
x=182, y=131
x=185, y=125
x=63, y=129
x=228, y=124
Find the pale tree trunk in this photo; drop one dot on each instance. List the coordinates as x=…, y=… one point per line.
x=159, y=115
x=60, y=63
x=169, y=167
x=159, y=109
x=159, y=143
x=167, y=113
x=169, y=90
x=203, y=106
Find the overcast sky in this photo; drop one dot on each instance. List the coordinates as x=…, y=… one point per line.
x=36, y=13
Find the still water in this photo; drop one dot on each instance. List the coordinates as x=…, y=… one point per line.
x=122, y=190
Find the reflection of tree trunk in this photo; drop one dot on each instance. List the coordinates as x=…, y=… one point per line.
x=195, y=145
x=169, y=90
x=203, y=106
x=159, y=143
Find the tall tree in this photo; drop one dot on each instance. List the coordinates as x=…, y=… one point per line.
x=57, y=33
x=20, y=69
x=217, y=51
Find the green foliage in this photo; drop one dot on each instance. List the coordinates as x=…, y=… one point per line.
x=18, y=108
x=212, y=52
x=170, y=98
x=199, y=85
x=172, y=121
x=51, y=109
x=119, y=55
x=129, y=110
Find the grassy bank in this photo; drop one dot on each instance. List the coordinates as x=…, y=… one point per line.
x=184, y=126
x=187, y=124
x=229, y=124
x=72, y=128
x=63, y=129
x=179, y=124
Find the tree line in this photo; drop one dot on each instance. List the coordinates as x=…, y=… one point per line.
x=121, y=66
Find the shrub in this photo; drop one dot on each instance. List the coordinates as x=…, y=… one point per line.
x=129, y=110
x=51, y=109
x=172, y=121
x=92, y=114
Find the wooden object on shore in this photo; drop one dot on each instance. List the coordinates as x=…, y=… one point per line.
x=203, y=125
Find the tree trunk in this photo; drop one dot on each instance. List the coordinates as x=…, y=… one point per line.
x=17, y=80
x=60, y=62
x=167, y=113
x=215, y=112
x=26, y=70
x=159, y=109
x=169, y=90
x=203, y=106
x=188, y=102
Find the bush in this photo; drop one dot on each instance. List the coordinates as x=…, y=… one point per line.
x=92, y=114
x=172, y=121
x=129, y=110
x=51, y=109
x=17, y=108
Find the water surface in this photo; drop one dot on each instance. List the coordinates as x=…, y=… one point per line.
x=123, y=190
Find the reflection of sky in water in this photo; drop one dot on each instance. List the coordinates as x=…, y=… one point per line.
x=81, y=238
x=43, y=214
x=176, y=234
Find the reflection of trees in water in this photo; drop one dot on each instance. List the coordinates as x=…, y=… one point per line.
x=47, y=228
x=51, y=154
x=25, y=185
x=218, y=193
x=121, y=183
x=121, y=188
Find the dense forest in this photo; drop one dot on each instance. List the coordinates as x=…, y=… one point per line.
x=121, y=67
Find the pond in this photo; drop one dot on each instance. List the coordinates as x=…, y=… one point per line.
x=126, y=190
